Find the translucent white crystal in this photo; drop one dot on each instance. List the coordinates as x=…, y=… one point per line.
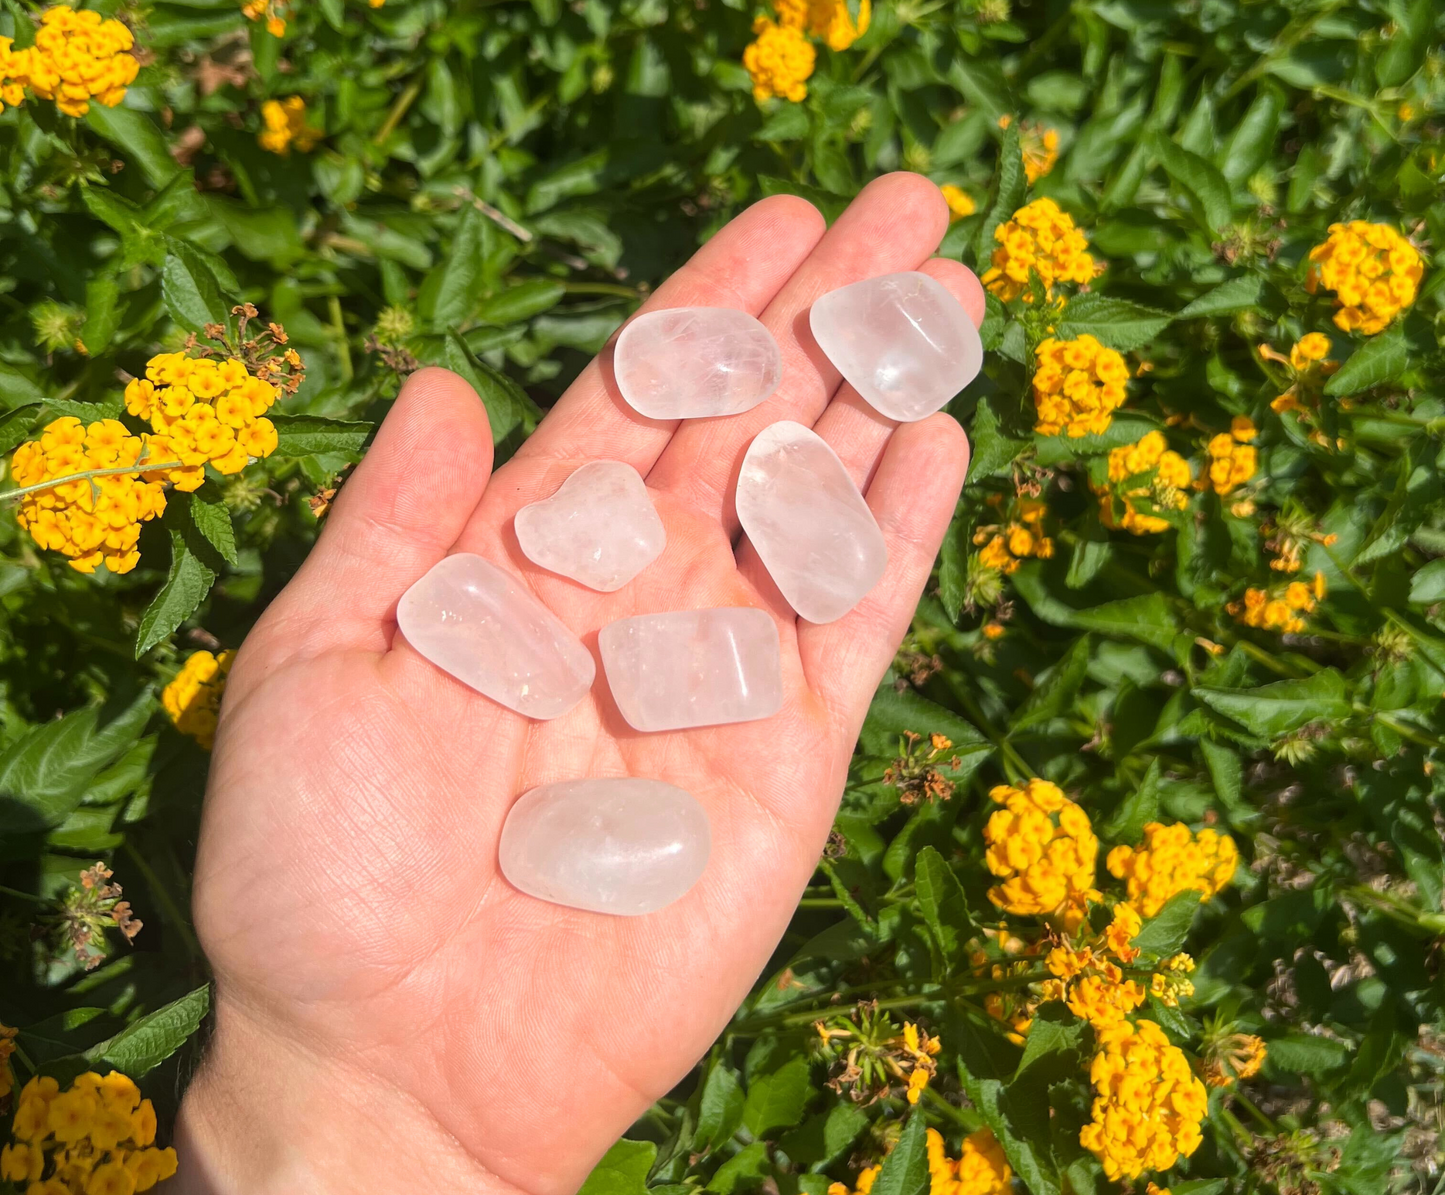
x=599, y=528
x=694, y=667
x=612, y=846
x=694, y=362
x=810, y=526
x=479, y=623
x=903, y=341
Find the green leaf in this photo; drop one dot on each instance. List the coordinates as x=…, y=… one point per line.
x=15, y=425
x=460, y=274
x=186, y=586
x=1008, y=196
x=1147, y=618
x=1286, y=705
x=1164, y=933
x=212, y=519
x=1117, y=323
x=1056, y=688
x=1306, y=1054
x=741, y=1171
x=315, y=435
x=44, y=772
x=622, y=1171
x=1426, y=586
x=1136, y=811
x=1380, y=359
x=139, y=137
x=142, y=1046
x=1201, y=179
x=102, y=313
x=944, y=906
x=191, y=291
x=1124, y=429
x=993, y=452
x=777, y=1100
x=1029, y=1161
x=905, y=1170
x=720, y=1110
x=521, y=302
x=1238, y=294
x=512, y=412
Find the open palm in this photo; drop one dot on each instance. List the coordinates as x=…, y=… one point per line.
x=347, y=889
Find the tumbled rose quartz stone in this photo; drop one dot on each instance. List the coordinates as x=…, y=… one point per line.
x=903, y=341
x=695, y=362
x=599, y=528
x=479, y=623
x=694, y=667
x=801, y=511
x=611, y=846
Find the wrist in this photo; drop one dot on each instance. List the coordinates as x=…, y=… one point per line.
x=267, y=1116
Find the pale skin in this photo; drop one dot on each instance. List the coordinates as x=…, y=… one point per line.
x=389, y=1011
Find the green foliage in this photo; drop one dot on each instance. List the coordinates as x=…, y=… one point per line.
x=498, y=185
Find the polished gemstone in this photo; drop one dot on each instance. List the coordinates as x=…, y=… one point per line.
x=611, y=846
x=599, y=528
x=694, y=667
x=810, y=526
x=695, y=362
x=903, y=341
x=479, y=623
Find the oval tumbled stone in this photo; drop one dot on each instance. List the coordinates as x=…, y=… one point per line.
x=694, y=667
x=903, y=341
x=479, y=623
x=696, y=362
x=810, y=526
x=624, y=846
x=599, y=528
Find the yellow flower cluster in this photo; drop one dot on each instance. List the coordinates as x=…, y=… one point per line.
x=95, y=1138
x=780, y=60
x=1041, y=239
x=1104, y=997
x=979, y=1169
x=207, y=411
x=1004, y=547
x=1171, y=860
x=12, y=74
x=8, y=1034
x=1144, y=479
x=1281, y=611
x=1093, y=986
x=1040, y=844
x=828, y=19
x=866, y=1178
x=78, y=56
x=1232, y=458
x=1039, y=146
x=1309, y=364
x=1373, y=271
x=193, y=699
x=1147, y=1103
x=285, y=122
x=1078, y=386
x=960, y=202
x=95, y=519
x=273, y=11
x=1234, y=1058
x=1172, y=983
x=919, y=1051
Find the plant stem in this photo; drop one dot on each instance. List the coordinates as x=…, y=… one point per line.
x=338, y=328
x=30, y=896
x=601, y=288
x=10, y=495
x=165, y=900
x=398, y=109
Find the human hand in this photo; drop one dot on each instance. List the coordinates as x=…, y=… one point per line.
x=388, y=1007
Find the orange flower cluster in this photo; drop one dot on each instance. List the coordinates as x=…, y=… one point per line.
x=1374, y=272
x=1281, y=611
x=1005, y=547
x=1040, y=239
x=1172, y=860
x=78, y=57
x=1041, y=845
x=1232, y=458
x=1145, y=478
x=1078, y=386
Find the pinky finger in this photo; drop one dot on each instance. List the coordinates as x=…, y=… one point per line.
x=913, y=495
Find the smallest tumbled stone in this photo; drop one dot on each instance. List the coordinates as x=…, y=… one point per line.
x=600, y=527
